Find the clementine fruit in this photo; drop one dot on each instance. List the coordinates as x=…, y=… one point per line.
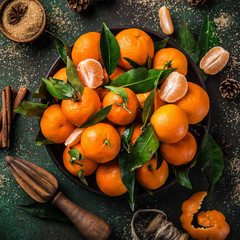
x=77, y=112
x=118, y=114
x=117, y=72
x=61, y=75
x=108, y=177
x=86, y=46
x=170, y=123
x=136, y=45
x=101, y=142
x=180, y=152
x=178, y=59
x=149, y=177
x=74, y=165
x=54, y=125
x=195, y=103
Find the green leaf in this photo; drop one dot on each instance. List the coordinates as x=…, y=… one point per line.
x=144, y=147
x=63, y=49
x=110, y=51
x=30, y=109
x=128, y=177
x=82, y=178
x=97, y=117
x=211, y=160
x=119, y=91
x=41, y=92
x=208, y=37
x=45, y=211
x=74, y=153
x=160, y=45
x=181, y=173
x=204, y=75
x=132, y=63
x=149, y=63
x=73, y=77
x=41, y=140
x=148, y=190
x=59, y=89
x=159, y=158
x=187, y=42
x=126, y=136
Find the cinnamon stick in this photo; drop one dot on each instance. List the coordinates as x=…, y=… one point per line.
x=18, y=100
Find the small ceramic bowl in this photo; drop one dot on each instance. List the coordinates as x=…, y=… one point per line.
x=9, y=35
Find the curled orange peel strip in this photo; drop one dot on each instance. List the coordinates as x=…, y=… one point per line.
x=216, y=227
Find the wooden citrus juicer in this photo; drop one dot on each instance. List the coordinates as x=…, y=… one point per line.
x=42, y=186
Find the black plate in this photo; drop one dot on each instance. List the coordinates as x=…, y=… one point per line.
x=193, y=75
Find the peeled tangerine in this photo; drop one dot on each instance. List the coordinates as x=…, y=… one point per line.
x=216, y=227
x=165, y=21
x=214, y=60
x=174, y=88
x=74, y=138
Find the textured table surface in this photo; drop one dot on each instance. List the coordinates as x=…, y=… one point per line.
x=26, y=64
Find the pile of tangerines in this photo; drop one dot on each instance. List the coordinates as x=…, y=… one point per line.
x=178, y=103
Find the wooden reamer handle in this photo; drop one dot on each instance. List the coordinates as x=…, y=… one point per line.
x=89, y=225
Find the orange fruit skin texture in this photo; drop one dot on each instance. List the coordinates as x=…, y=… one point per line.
x=54, y=125
x=94, y=145
x=180, y=152
x=88, y=166
x=78, y=112
x=164, y=55
x=195, y=103
x=152, y=179
x=218, y=228
x=119, y=115
x=61, y=75
x=170, y=123
x=136, y=45
x=135, y=134
x=86, y=46
x=108, y=178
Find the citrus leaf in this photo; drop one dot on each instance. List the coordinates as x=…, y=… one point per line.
x=41, y=92
x=31, y=109
x=41, y=140
x=211, y=160
x=159, y=158
x=187, y=41
x=132, y=63
x=208, y=37
x=110, y=51
x=74, y=153
x=149, y=63
x=97, y=117
x=45, y=211
x=128, y=177
x=119, y=91
x=73, y=77
x=82, y=178
x=181, y=173
x=126, y=136
x=144, y=147
x=63, y=49
x=59, y=89
x=160, y=45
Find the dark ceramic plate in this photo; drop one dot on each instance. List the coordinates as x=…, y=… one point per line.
x=193, y=75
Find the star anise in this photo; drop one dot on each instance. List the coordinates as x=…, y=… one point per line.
x=17, y=12
x=224, y=145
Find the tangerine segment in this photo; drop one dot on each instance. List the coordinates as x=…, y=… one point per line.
x=91, y=73
x=118, y=114
x=195, y=103
x=136, y=45
x=214, y=60
x=174, y=88
x=86, y=46
x=61, y=75
x=101, y=142
x=180, y=152
x=170, y=123
x=108, y=178
x=178, y=59
x=54, y=125
x=86, y=165
x=78, y=112
x=74, y=138
x=165, y=21
x=149, y=177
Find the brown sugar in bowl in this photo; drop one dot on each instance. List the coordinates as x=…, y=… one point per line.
x=8, y=34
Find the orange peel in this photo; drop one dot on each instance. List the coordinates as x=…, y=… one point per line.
x=216, y=226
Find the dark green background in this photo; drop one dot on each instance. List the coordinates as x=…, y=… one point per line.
x=26, y=64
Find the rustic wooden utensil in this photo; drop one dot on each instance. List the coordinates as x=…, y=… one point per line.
x=42, y=186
